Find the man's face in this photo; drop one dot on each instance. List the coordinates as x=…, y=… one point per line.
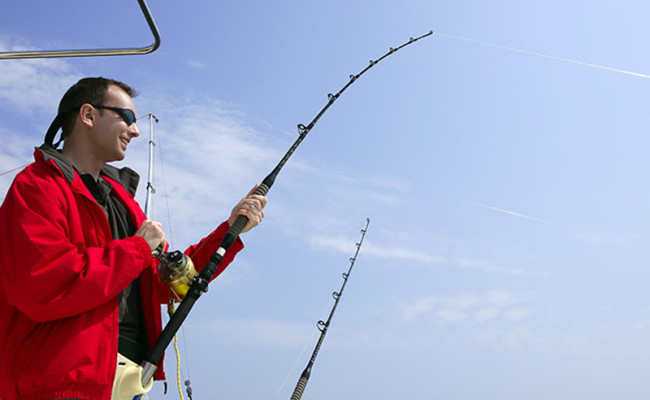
x=111, y=134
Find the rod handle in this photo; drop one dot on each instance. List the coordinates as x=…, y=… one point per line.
x=242, y=220
x=199, y=285
x=300, y=388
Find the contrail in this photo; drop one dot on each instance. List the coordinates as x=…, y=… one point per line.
x=533, y=53
x=573, y=232
x=501, y=210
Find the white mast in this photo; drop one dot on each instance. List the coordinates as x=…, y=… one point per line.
x=150, y=188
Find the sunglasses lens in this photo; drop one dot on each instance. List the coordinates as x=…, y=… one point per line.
x=128, y=116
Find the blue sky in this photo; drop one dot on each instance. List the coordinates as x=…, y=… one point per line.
x=506, y=256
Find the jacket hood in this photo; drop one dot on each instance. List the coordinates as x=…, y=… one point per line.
x=124, y=176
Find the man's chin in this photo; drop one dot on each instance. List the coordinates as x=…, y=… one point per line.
x=118, y=157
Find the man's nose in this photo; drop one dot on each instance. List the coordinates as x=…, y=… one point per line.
x=133, y=130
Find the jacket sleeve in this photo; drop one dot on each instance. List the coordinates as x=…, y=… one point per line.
x=201, y=252
x=45, y=273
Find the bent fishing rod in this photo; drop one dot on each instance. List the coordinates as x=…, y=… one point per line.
x=200, y=281
x=322, y=326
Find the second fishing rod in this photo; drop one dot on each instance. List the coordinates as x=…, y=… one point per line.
x=200, y=281
x=323, y=326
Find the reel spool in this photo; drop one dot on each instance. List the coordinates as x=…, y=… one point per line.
x=177, y=271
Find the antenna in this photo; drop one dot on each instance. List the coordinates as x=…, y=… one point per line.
x=150, y=189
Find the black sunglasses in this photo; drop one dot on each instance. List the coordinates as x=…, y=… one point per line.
x=127, y=115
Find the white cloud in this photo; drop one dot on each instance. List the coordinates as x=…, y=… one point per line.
x=487, y=266
x=207, y=158
x=436, y=254
x=446, y=308
x=493, y=305
x=16, y=151
x=451, y=316
x=517, y=314
x=197, y=64
x=517, y=337
x=499, y=297
x=30, y=84
x=346, y=245
x=486, y=314
x=418, y=307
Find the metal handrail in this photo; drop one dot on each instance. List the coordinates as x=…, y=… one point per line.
x=94, y=52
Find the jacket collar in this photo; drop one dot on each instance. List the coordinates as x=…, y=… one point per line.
x=124, y=176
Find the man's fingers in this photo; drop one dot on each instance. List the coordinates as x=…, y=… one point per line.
x=152, y=233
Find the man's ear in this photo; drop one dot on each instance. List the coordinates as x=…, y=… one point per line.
x=87, y=115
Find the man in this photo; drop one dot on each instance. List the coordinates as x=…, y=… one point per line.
x=78, y=282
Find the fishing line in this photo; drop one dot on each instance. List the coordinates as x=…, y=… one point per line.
x=166, y=194
x=179, y=372
x=304, y=348
x=14, y=169
x=552, y=57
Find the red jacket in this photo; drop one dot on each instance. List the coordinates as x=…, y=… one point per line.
x=60, y=276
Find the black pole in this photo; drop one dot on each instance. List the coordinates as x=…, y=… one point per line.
x=201, y=280
x=322, y=326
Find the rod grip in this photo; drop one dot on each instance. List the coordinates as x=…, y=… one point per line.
x=242, y=220
x=195, y=290
x=300, y=388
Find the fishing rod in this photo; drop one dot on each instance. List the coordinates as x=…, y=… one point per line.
x=322, y=326
x=200, y=281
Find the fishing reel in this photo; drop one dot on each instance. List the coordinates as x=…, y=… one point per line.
x=177, y=271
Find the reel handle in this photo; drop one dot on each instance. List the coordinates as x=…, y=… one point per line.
x=158, y=252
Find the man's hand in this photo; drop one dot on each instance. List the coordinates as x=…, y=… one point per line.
x=251, y=206
x=152, y=232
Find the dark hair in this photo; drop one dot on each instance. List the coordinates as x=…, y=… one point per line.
x=87, y=90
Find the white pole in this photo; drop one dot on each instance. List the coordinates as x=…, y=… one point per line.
x=150, y=188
